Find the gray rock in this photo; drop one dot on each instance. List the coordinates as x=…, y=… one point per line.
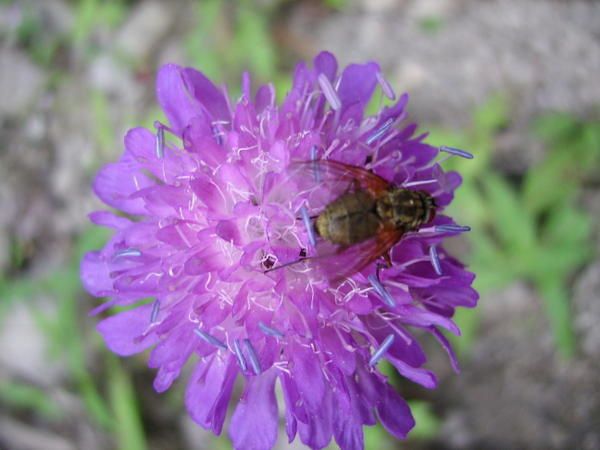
x=147, y=25
x=545, y=53
x=21, y=82
x=586, y=302
x=515, y=391
x=18, y=436
x=25, y=351
x=194, y=436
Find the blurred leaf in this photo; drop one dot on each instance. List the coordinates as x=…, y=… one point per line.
x=565, y=245
x=470, y=206
x=427, y=423
x=588, y=156
x=556, y=300
x=220, y=443
x=22, y=396
x=493, y=115
x=546, y=184
x=555, y=127
x=254, y=43
x=567, y=225
x=85, y=19
x=105, y=133
x=468, y=321
x=512, y=223
x=336, y=4
x=129, y=429
x=376, y=438
x=431, y=24
x=92, y=238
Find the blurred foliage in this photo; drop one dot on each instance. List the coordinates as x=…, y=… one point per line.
x=91, y=15
x=534, y=230
x=233, y=37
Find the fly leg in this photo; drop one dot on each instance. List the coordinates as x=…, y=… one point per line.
x=385, y=264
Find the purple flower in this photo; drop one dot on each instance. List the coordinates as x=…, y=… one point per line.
x=209, y=203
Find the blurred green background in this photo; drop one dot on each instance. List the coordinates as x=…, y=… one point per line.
x=514, y=82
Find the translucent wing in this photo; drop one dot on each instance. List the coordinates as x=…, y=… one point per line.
x=315, y=184
x=338, y=263
x=328, y=170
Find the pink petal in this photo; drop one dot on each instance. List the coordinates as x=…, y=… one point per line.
x=174, y=98
x=123, y=332
x=255, y=421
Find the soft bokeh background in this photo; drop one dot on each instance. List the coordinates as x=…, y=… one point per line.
x=517, y=82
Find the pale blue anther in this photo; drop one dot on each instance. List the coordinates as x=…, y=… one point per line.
x=383, y=293
x=239, y=355
x=155, y=311
x=160, y=140
x=451, y=228
x=315, y=166
x=435, y=260
x=134, y=252
x=456, y=152
x=310, y=231
x=380, y=351
x=329, y=92
x=379, y=132
x=386, y=87
x=269, y=331
x=254, y=362
x=217, y=135
x=210, y=339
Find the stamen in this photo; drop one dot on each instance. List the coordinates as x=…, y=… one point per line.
x=418, y=183
x=218, y=135
x=329, y=92
x=315, y=166
x=155, y=311
x=456, y=152
x=209, y=338
x=160, y=139
x=435, y=260
x=380, y=131
x=309, y=226
x=239, y=355
x=451, y=228
x=127, y=252
x=386, y=87
x=383, y=293
x=378, y=354
x=254, y=362
x=269, y=331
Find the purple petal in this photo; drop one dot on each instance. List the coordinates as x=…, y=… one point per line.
x=209, y=391
x=108, y=219
x=207, y=94
x=255, y=421
x=198, y=138
x=394, y=413
x=326, y=63
x=357, y=84
x=174, y=98
x=124, y=332
x=423, y=377
x=318, y=430
x=115, y=185
x=448, y=347
x=308, y=375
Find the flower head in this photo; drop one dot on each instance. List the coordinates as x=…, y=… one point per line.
x=217, y=227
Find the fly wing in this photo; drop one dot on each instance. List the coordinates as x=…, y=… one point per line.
x=328, y=170
x=338, y=263
x=320, y=182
